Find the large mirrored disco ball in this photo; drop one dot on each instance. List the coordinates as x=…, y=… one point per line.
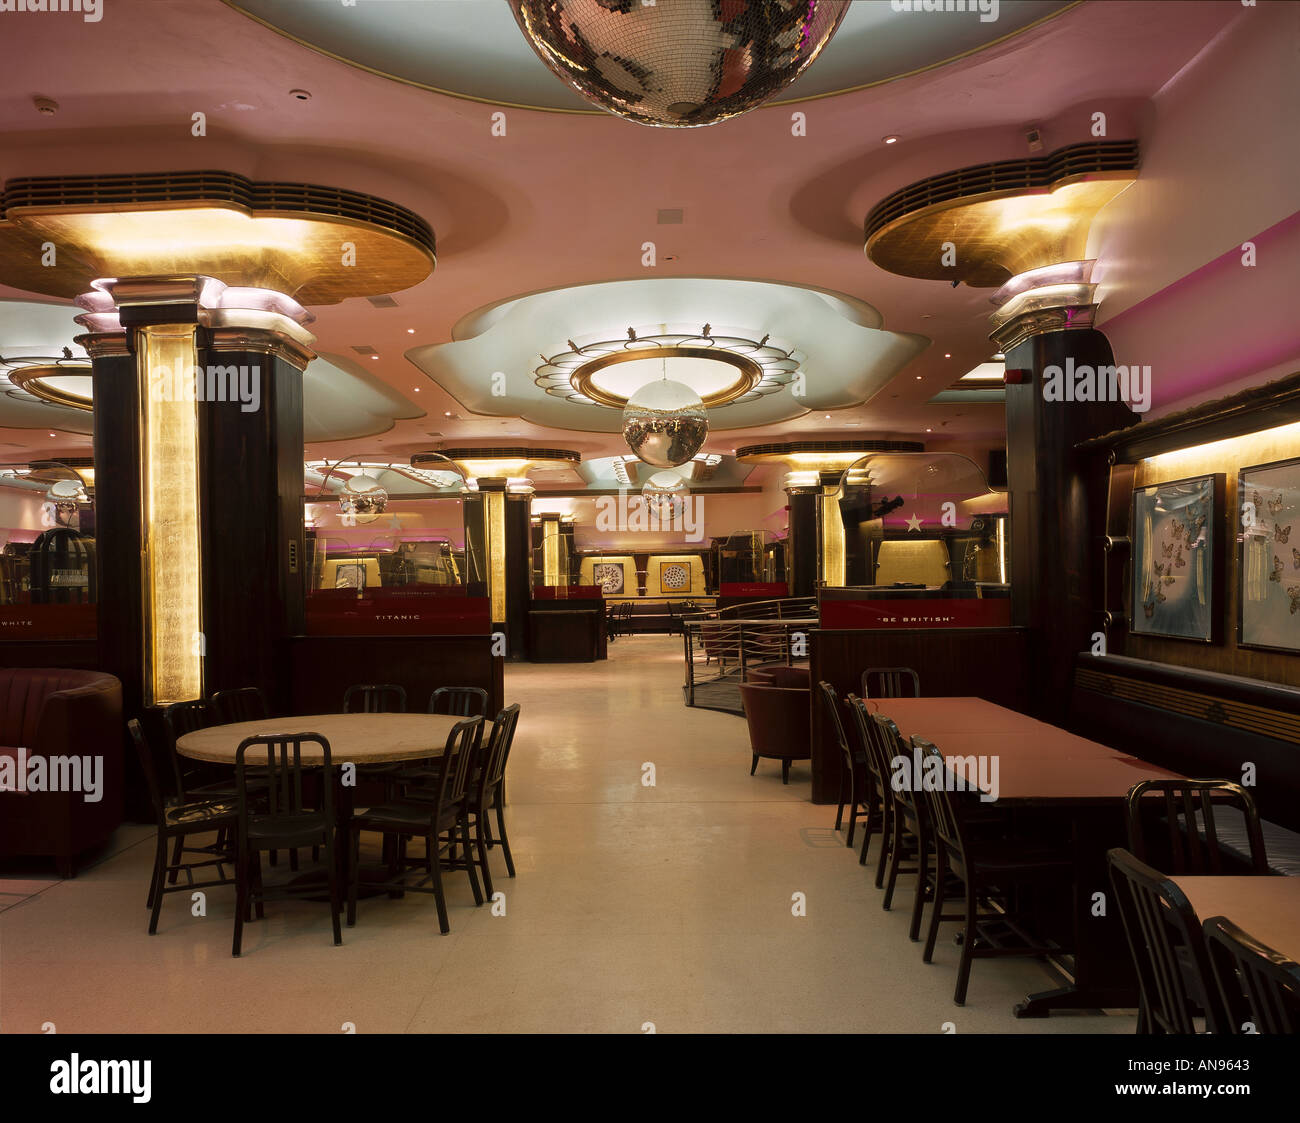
x=679, y=63
x=363, y=497
x=665, y=424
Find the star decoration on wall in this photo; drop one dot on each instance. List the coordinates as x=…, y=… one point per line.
x=913, y=524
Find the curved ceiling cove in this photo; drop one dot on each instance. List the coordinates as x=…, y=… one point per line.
x=341, y=400
x=843, y=354
x=476, y=51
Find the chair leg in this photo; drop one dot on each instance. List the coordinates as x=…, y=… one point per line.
x=839, y=811
x=481, y=844
x=886, y=827
x=159, y=857
x=241, y=901
x=505, y=839
x=332, y=872
x=853, y=811
x=439, y=898
x=156, y=891
x=967, y=946
x=866, y=836
x=754, y=765
x=258, y=894
x=176, y=860
x=469, y=859
x=940, y=877
x=354, y=843
x=785, y=771
x=922, y=888
x=895, y=860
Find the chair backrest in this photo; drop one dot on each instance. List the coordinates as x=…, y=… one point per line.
x=940, y=806
x=1259, y=987
x=375, y=698
x=893, y=746
x=179, y=719
x=877, y=758
x=890, y=682
x=1168, y=950
x=495, y=753
x=244, y=704
x=278, y=759
x=1180, y=816
x=457, y=759
x=832, y=701
x=145, y=752
x=459, y=701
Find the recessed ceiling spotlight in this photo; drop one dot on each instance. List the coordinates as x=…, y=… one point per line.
x=410, y=331
x=891, y=139
x=918, y=378
x=929, y=430
x=417, y=389
x=948, y=355
x=53, y=434
x=447, y=413
x=828, y=417
x=301, y=95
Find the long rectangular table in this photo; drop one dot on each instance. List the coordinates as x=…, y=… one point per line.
x=1266, y=907
x=1062, y=779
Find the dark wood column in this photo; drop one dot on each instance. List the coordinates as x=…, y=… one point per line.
x=252, y=544
x=1057, y=520
x=519, y=572
x=801, y=541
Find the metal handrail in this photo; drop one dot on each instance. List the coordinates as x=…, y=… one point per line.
x=731, y=647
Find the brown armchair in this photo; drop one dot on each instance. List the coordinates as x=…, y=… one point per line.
x=779, y=724
x=798, y=678
x=57, y=713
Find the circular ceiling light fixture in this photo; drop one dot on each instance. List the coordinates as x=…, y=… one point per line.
x=720, y=370
x=680, y=65
x=61, y=381
x=665, y=424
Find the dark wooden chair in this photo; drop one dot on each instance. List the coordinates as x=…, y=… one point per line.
x=178, y=819
x=485, y=787
x=435, y=812
x=985, y=866
x=1259, y=988
x=279, y=817
x=247, y=703
x=910, y=833
x=861, y=797
x=890, y=682
x=878, y=767
x=1175, y=981
x=1172, y=822
x=375, y=698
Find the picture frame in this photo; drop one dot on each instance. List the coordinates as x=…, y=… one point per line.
x=359, y=574
x=1268, y=556
x=1177, y=572
x=610, y=577
x=674, y=577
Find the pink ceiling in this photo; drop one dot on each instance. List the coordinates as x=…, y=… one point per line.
x=563, y=199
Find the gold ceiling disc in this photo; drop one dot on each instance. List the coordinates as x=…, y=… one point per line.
x=987, y=224
x=319, y=245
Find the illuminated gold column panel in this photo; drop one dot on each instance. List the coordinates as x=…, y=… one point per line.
x=551, y=543
x=170, y=554
x=830, y=527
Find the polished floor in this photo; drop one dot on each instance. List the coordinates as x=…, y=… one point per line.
x=654, y=891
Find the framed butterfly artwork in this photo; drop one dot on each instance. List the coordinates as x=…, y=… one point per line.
x=1268, y=556
x=1178, y=560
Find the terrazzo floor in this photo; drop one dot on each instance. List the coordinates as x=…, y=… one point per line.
x=636, y=906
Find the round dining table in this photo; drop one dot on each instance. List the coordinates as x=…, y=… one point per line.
x=353, y=738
